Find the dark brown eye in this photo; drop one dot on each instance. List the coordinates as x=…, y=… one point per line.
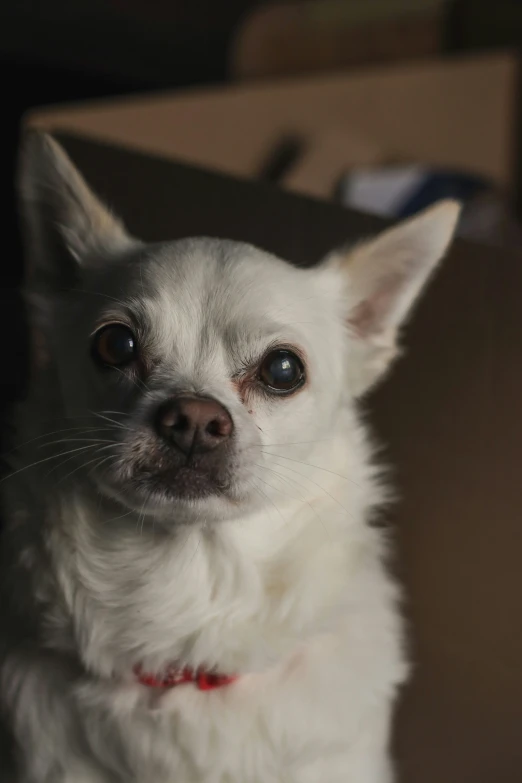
x=281, y=371
x=114, y=346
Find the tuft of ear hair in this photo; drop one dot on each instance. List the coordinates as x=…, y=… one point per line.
x=383, y=278
x=63, y=223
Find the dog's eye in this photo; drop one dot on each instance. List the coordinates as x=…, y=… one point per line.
x=281, y=371
x=114, y=346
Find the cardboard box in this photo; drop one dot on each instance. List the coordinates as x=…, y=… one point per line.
x=455, y=112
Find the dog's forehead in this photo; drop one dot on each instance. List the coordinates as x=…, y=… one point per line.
x=224, y=283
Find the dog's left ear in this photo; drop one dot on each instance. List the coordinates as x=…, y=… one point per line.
x=382, y=279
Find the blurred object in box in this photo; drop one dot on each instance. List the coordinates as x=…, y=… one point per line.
x=283, y=39
x=281, y=158
x=316, y=173
x=399, y=191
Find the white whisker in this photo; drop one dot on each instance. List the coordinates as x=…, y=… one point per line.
x=46, y=459
x=264, y=495
x=77, y=440
x=304, y=500
x=310, y=465
x=113, y=422
x=307, y=478
x=48, y=435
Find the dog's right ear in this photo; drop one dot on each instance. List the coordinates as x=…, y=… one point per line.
x=64, y=225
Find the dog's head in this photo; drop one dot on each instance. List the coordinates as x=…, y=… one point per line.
x=184, y=367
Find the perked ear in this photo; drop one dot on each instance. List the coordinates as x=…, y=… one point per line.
x=64, y=225
x=383, y=278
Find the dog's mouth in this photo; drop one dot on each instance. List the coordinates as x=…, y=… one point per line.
x=148, y=471
x=186, y=482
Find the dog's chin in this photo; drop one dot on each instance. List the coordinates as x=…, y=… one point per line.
x=186, y=484
x=184, y=496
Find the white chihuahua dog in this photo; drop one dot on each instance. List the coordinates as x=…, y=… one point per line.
x=192, y=591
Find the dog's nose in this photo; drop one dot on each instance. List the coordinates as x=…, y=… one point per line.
x=194, y=424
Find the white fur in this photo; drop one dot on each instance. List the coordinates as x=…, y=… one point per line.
x=296, y=599
x=286, y=586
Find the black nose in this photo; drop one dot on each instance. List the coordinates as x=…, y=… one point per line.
x=194, y=424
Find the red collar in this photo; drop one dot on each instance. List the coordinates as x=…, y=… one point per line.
x=172, y=677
